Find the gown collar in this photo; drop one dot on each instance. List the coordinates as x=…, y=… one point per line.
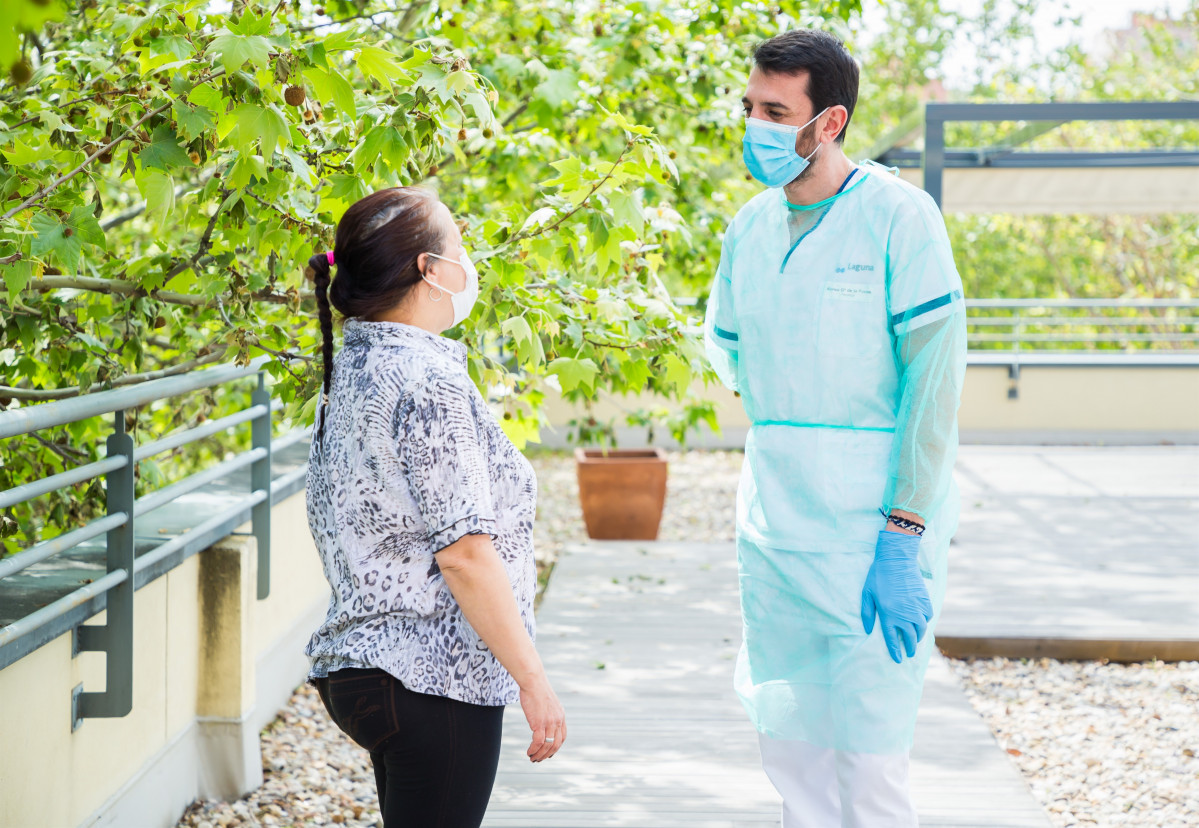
x=860, y=173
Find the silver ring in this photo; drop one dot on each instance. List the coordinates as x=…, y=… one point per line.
x=549, y=738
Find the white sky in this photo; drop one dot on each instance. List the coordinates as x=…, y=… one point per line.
x=1096, y=18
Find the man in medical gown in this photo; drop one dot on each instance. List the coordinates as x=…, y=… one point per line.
x=837, y=314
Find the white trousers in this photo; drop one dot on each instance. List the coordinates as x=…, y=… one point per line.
x=823, y=788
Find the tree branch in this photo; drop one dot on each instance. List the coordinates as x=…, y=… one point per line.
x=33, y=118
x=69, y=454
x=122, y=288
x=316, y=26
x=286, y=215
x=410, y=16
x=562, y=219
x=48, y=189
x=44, y=394
x=516, y=113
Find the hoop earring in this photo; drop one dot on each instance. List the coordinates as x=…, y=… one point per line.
x=436, y=298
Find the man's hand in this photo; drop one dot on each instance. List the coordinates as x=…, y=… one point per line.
x=895, y=591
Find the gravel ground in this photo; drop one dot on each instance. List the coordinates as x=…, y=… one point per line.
x=1100, y=744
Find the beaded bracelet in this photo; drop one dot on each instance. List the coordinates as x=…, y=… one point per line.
x=903, y=523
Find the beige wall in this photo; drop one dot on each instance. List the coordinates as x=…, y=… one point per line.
x=1052, y=402
x=52, y=777
x=1082, y=399
x=1039, y=190
x=297, y=578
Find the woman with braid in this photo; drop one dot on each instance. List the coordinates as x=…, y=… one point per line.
x=422, y=511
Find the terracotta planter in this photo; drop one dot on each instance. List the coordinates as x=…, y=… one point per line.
x=622, y=492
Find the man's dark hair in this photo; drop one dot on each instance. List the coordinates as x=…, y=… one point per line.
x=832, y=71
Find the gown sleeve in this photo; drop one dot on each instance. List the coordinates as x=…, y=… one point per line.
x=928, y=327
x=720, y=322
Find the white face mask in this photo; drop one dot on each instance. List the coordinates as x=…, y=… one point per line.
x=464, y=300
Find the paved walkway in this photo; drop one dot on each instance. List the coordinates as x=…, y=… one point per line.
x=1083, y=552
x=640, y=640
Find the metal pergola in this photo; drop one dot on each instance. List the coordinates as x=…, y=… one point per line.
x=1006, y=178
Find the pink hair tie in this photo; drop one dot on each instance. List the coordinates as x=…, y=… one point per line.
x=329, y=258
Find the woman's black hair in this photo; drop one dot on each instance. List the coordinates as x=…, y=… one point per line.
x=376, y=248
x=832, y=71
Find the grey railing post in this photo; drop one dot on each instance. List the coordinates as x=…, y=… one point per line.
x=115, y=638
x=934, y=152
x=260, y=481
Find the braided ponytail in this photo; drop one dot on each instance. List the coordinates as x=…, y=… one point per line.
x=319, y=266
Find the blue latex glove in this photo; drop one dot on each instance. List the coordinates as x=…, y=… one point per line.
x=896, y=592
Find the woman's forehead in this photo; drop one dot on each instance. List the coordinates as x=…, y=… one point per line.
x=447, y=219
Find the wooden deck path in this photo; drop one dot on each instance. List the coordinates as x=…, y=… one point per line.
x=1075, y=552
x=640, y=640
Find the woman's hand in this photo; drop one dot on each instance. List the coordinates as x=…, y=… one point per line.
x=477, y=580
x=545, y=716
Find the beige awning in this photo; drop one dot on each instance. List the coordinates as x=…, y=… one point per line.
x=1127, y=190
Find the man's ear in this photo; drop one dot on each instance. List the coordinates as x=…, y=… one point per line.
x=838, y=118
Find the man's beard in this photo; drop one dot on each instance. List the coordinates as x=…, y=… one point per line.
x=812, y=159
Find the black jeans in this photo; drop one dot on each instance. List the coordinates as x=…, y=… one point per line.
x=435, y=758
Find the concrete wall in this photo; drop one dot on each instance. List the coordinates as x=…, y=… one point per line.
x=211, y=664
x=1053, y=405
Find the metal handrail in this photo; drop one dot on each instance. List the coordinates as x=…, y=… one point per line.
x=1175, y=326
x=115, y=637
x=1081, y=303
x=37, y=488
x=60, y=412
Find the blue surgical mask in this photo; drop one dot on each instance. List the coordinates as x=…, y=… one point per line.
x=769, y=151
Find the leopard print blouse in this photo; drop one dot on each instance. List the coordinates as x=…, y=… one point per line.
x=411, y=461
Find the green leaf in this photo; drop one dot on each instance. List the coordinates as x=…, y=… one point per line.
x=560, y=86
x=626, y=210
x=574, y=373
x=528, y=344
x=251, y=23
x=163, y=152
x=56, y=241
x=381, y=65
x=611, y=310
x=368, y=149
x=245, y=168
x=348, y=188
x=332, y=86
x=158, y=189
x=458, y=82
x=180, y=47
x=22, y=154
x=570, y=175
x=207, y=96
x=265, y=124
x=517, y=328
x=341, y=41
x=193, y=121
x=677, y=373
x=237, y=50
x=419, y=58
x=300, y=166
x=635, y=374
x=83, y=221
x=17, y=275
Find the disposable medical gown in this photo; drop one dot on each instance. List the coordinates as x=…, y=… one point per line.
x=842, y=325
